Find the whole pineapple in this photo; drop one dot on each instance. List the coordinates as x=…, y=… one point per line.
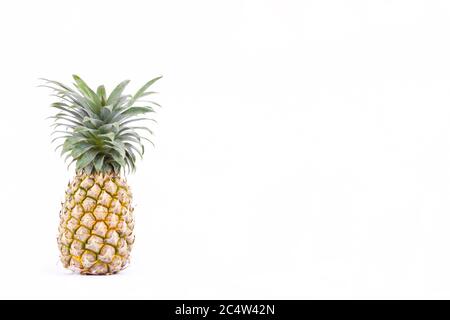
x=99, y=133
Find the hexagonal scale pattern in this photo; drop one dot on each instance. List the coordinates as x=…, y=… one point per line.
x=96, y=224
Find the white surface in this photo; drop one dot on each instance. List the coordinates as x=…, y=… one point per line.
x=303, y=150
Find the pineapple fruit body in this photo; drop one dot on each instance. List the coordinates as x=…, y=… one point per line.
x=103, y=134
x=96, y=226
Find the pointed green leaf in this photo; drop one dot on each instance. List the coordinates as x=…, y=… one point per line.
x=124, y=123
x=86, y=159
x=130, y=147
x=117, y=92
x=142, y=90
x=115, y=166
x=98, y=162
x=87, y=92
x=118, y=158
x=95, y=122
x=134, y=111
x=79, y=151
x=101, y=93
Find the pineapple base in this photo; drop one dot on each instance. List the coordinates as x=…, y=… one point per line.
x=96, y=224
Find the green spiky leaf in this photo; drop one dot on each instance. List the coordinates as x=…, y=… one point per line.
x=117, y=93
x=98, y=132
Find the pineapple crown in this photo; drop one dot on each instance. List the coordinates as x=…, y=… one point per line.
x=101, y=133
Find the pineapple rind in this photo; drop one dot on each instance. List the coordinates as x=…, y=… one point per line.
x=96, y=224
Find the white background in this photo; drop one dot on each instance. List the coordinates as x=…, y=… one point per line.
x=303, y=150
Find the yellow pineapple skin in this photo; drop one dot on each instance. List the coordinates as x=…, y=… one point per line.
x=96, y=227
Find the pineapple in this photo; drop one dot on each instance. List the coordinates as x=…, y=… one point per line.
x=101, y=134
